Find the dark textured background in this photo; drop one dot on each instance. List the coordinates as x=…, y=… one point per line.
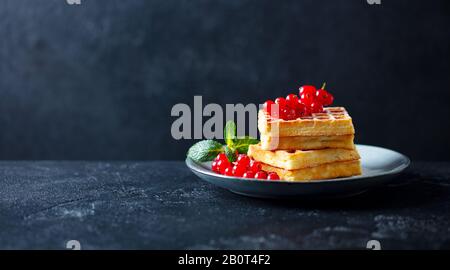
x=97, y=81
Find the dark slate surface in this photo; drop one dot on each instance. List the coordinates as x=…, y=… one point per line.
x=161, y=205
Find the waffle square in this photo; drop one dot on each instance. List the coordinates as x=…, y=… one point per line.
x=306, y=142
x=299, y=159
x=325, y=171
x=333, y=121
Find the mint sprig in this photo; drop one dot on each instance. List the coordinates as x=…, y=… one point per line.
x=207, y=150
x=242, y=144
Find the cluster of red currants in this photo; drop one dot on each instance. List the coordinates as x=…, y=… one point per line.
x=243, y=167
x=310, y=100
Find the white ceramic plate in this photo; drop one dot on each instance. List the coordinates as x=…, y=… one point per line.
x=380, y=165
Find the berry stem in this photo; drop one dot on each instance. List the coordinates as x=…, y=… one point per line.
x=324, y=85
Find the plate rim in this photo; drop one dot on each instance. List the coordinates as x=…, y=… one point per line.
x=194, y=166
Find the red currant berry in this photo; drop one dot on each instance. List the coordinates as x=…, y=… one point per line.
x=307, y=111
x=228, y=171
x=249, y=174
x=289, y=114
x=316, y=107
x=215, y=167
x=221, y=156
x=281, y=101
x=268, y=106
x=330, y=100
x=261, y=175
x=276, y=112
x=300, y=109
x=238, y=170
x=273, y=176
x=300, y=106
x=283, y=113
x=307, y=98
x=243, y=161
x=324, y=98
x=307, y=89
x=222, y=165
x=291, y=100
x=255, y=166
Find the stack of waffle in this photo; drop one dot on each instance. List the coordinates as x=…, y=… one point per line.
x=308, y=148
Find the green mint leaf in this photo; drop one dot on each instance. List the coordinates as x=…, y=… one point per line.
x=205, y=150
x=229, y=133
x=241, y=144
x=231, y=153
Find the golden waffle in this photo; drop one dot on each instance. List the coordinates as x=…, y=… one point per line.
x=294, y=160
x=325, y=171
x=306, y=142
x=332, y=122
